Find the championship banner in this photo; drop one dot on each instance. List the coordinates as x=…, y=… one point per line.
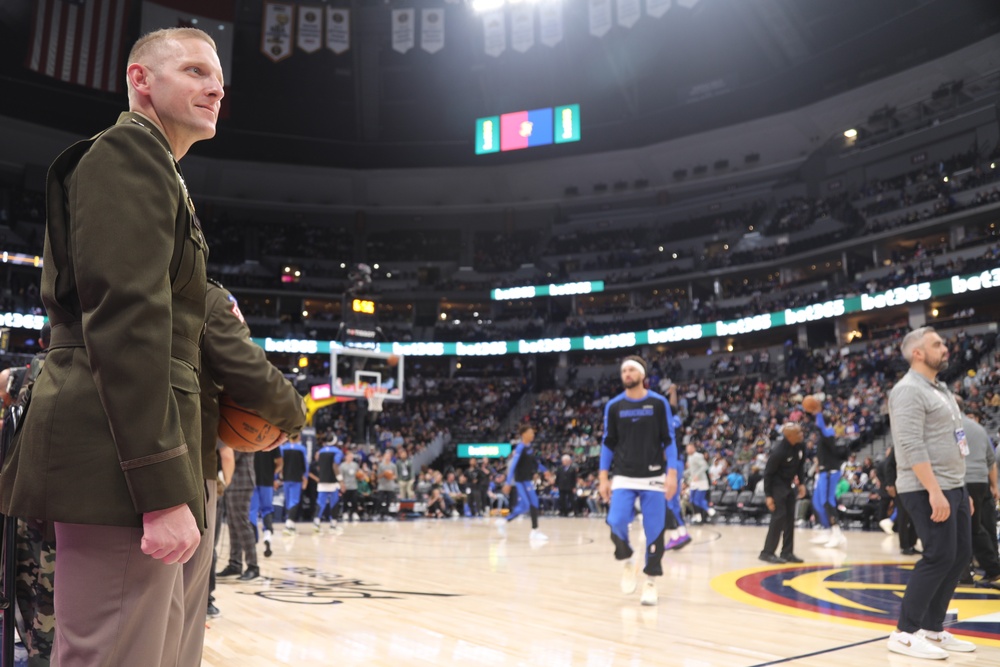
x=278, y=27
x=657, y=8
x=214, y=17
x=551, y=22
x=402, y=30
x=600, y=17
x=629, y=12
x=80, y=42
x=310, y=37
x=432, y=30
x=522, y=27
x=494, y=33
x=338, y=29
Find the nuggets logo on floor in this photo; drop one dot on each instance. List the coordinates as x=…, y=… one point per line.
x=865, y=595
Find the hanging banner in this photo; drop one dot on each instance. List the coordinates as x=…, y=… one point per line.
x=402, y=30
x=432, y=30
x=310, y=29
x=600, y=17
x=494, y=33
x=278, y=27
x=629, y=12
x=338, y=29
x=522, y=27
x=657, y=8
x=550, y=13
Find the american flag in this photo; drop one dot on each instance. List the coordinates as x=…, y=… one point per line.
x=80, y=41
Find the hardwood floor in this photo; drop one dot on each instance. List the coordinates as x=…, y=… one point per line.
x=453, y=592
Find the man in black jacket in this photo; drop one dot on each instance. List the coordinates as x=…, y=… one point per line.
x=566, y=483
x=784, y=472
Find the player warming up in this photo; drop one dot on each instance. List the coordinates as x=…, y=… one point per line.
x=827, y=478
x=520, y=474
x=639, y=448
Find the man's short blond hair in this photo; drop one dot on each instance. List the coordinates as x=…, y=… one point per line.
x=151, y=41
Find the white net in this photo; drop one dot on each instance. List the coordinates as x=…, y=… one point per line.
x=375, y=399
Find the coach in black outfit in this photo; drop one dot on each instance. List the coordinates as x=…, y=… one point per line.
x=784, y=472
x=566, y=483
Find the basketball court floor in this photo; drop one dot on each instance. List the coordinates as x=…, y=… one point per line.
x=454, y=592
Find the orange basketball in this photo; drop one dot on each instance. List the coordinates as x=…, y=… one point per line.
x=389, y=474
x=392, y=359
x=360, y=475
x=244, y=430
x=811, y=404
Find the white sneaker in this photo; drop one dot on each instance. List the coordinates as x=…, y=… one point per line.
x=629, y=582
x=355, y=517
x=915, y=646
x=538, y=536
x=317, y=527
x=649, y=595
x=886, y=525
x=837, y=539
x=822, y=536
x=947, y=641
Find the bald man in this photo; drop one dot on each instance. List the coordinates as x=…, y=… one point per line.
x=784, y=482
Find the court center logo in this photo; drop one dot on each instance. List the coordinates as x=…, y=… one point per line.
x=305, y=585
x=864, y=595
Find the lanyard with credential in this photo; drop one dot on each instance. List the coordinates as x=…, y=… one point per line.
x=956, y=420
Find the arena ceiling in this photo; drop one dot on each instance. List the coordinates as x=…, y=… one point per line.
x=704, y=64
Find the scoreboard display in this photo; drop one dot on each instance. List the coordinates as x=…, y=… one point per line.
x=526, y=129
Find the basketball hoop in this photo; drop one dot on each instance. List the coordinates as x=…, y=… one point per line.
x=374, y=398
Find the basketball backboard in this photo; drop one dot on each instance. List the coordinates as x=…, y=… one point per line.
x=352, y=371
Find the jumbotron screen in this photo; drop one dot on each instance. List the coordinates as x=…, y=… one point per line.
x=526, y=129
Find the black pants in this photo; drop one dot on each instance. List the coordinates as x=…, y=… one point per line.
x=566, y=498
x=984, y=528
x=782, y=521
x=947, y=552
x=351, y=502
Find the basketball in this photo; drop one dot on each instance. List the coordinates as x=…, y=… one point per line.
x=244, y=430
x=392, y=359
x=360, y=475
x=389, y=474
x=811, y=404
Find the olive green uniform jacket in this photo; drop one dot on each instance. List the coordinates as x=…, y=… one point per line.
x=233, y=364
x=113, y=429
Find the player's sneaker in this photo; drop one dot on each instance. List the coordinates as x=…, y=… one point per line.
x=915, y=646
x=355, y=517
x=947, y=641
x=317, y=526
x=678, y=542
x=629, y=582
x=822, y=536
x=649, y=595
x=886, y=525
x=289, y=526
x=538, y=536
x=837, y=539
x=267, y=544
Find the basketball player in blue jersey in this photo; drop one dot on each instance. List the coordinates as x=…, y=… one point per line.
x=824, y=498
x=679, y=537
x=639, y=448
x=520, y=474
x=327, y=487
x=294, y=471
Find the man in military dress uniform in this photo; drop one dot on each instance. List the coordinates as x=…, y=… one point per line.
x=110, y=447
